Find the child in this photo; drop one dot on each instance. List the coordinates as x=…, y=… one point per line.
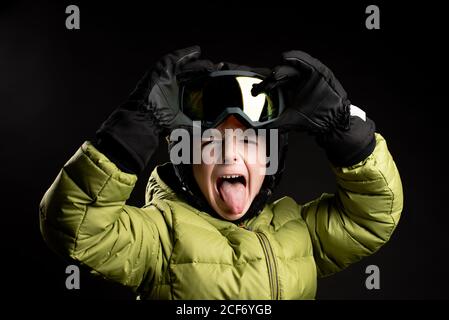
x=207, y=230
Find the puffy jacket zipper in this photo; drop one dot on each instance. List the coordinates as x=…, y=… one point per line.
x=271, y=264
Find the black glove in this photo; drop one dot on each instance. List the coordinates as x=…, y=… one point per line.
x=130, y=136
x=317, y=103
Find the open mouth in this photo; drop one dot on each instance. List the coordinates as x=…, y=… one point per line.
x=235, y=178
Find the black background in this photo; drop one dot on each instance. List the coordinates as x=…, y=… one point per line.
x=57, y=86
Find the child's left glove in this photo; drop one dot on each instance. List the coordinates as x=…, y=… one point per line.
x=317, y=103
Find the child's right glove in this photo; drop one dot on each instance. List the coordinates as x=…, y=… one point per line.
x=317, y=103
x=130, y=136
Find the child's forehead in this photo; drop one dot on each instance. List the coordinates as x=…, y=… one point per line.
x=231, y=122
x=225, y=132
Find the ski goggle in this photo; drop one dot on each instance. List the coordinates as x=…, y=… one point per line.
x=214, y=97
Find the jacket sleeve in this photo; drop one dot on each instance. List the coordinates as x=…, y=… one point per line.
x=83, y=216
x=361, y=216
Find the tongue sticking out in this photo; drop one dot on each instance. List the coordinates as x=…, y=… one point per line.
x=234, y=196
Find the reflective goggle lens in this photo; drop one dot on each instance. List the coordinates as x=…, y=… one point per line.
x=207, y=98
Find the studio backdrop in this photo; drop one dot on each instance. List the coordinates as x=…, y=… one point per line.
x=61, y=76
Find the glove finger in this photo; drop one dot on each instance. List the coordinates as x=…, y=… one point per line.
x=183, y=56
x=232, y=66
x=168, y=65
x=198, y=65
x=194, y=69
x=266, y=85
x=304, y=61
x=280, y=75
x=164, y=69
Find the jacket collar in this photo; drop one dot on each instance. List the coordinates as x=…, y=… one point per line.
x=164, y=185
x=161, y=185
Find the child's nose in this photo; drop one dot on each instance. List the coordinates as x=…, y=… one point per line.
x=231, y=150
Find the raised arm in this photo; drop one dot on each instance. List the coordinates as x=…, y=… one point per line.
x=361, y=216
x=84, y=214
x=363, y=213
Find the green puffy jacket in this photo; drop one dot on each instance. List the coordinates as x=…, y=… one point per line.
x=170, y=250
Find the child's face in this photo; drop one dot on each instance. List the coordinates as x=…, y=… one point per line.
x=230, y=185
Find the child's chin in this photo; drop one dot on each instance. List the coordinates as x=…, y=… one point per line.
x=230, y=216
